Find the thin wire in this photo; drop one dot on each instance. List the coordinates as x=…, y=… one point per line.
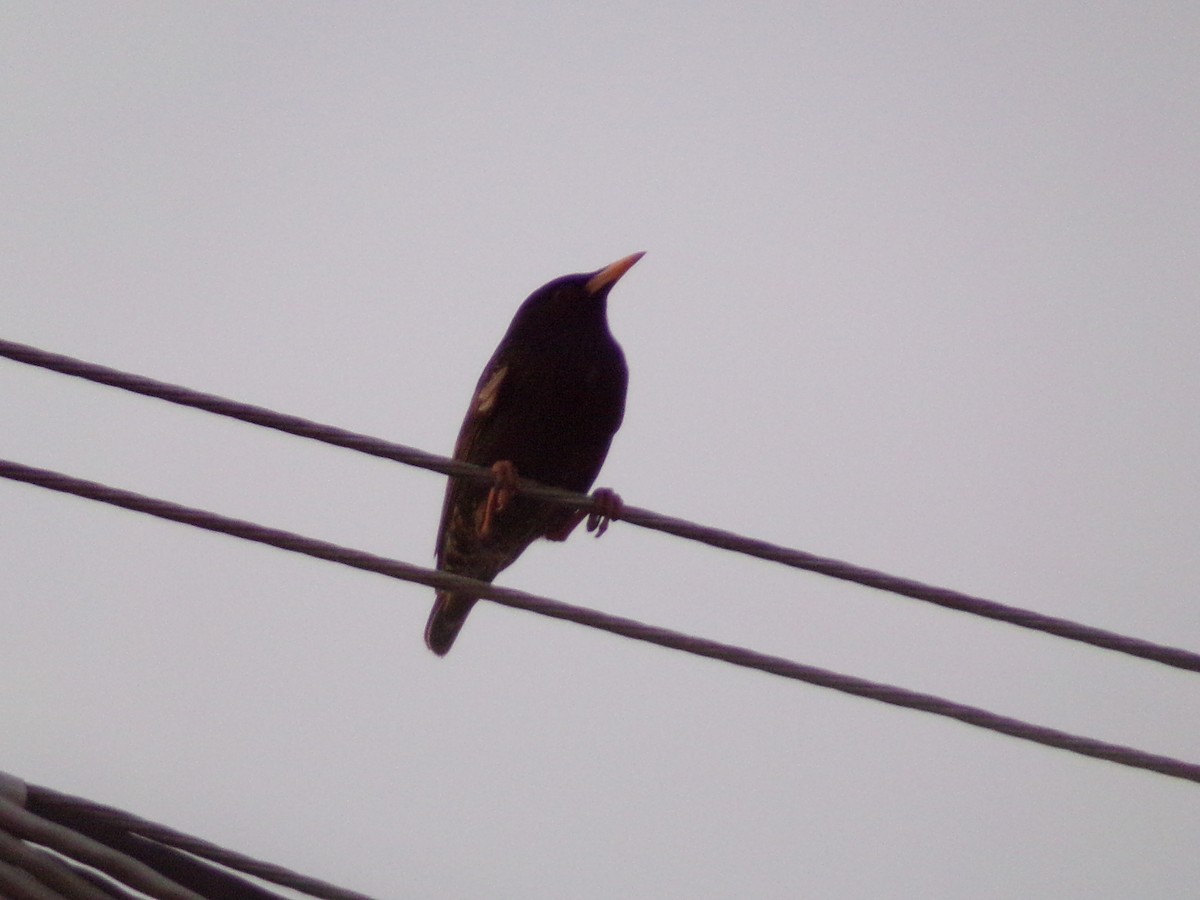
x=48, y=869
x=25, y=825
x=66, y=809
x=713, y=537
x=629, y=628
x=17, y=884
x=119, y=843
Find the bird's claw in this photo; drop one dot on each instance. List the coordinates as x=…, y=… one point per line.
x=609, y=506
x=503, y=490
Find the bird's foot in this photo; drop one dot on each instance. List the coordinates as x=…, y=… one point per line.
x=608, y=506
x=501, y=494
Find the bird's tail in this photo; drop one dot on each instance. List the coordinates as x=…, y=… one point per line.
x=447, y=618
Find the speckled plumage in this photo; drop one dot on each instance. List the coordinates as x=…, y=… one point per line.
x=549, y=402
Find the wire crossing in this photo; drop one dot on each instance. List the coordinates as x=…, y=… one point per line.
x=629, y=628
x=713, y=537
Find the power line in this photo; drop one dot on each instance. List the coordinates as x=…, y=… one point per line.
x=629, y=628
x=27, y=827
x=156, y=860
x=713, y=537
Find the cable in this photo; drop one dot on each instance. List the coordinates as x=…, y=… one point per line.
x=17, y=884
x=88, y=816
x=28, y=827
x=158, y=861
x=713, y=537
x=738, y=656
x=46, y=868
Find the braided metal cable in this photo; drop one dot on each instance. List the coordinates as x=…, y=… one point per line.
x=713, y=537
x=739, y=656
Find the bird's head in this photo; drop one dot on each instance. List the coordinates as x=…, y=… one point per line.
x=573, y=301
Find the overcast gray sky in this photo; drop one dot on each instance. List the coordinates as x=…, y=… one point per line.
x=919, y=292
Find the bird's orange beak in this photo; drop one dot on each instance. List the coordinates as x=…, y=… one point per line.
x=609, y=275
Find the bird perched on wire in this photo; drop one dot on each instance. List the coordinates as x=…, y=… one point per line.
x=546, y=408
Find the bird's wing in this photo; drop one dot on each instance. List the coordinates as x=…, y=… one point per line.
x=479, y=414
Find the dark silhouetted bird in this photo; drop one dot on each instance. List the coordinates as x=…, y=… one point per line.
x=546, y=408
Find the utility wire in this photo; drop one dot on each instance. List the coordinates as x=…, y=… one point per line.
x=158, y=861
x=738, y=656
x=48, y=871
x=726, y=540
x=86, y=815
x=25, y=826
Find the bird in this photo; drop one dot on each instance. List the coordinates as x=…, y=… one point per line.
x=546, y=408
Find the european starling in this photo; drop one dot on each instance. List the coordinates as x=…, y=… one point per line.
x=546, y=408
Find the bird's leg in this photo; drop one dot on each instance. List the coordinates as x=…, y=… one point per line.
x=608, y=506
x=502, y=492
